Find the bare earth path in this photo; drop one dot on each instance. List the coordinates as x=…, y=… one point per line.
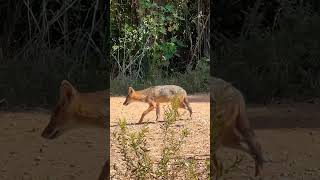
x=290, y=137
x=25, y=155
x=289, y=134
x=199, y=126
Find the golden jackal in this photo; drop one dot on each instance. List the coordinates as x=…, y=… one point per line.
x=158, y=94
x=75, y=109
x=235, y=127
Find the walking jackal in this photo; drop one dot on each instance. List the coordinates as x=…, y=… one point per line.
x=75, y=109
x=234, y=127
x=158, y=94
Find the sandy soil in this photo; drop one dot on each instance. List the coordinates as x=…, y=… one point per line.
x=25, y=155
x=290, y=138
x=199, y=127
x=289, y=134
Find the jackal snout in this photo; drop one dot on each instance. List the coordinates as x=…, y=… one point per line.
x=129, y=96
x=125, y=103
x=51, y=133
x=56, y=127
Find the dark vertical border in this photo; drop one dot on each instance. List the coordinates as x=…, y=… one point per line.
x=211, y=74
x=106, y=14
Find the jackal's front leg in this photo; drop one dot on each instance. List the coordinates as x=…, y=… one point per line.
x=151, y=107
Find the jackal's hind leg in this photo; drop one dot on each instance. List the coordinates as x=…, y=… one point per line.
x=252, y=146
x=157, y=111
x=255, y=151
x=187, y=105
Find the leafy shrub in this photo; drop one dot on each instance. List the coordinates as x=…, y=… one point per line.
x=171, y=165
x=192, y=81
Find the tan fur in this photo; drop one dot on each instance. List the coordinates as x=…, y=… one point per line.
x=156, y=95
x=235, y=129
x=75, y=109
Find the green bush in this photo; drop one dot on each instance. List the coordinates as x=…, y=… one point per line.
x=158, y=42
x=171, y=165
x=193, y=81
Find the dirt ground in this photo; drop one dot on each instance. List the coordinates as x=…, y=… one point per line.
x=289, y=134
x=290, y=138
x=25, y=155
x=199, y=127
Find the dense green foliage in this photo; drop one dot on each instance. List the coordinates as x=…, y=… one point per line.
x=274, y=52
x=156, y=42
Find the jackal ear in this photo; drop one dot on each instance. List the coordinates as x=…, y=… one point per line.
x=67, y=91
x=130, y=90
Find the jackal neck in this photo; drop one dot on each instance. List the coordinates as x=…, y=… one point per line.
x=139, y=95
x=96, y=114
x=94, y=121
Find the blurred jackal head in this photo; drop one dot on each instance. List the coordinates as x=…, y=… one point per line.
x=130, y=97
x=62, y=116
